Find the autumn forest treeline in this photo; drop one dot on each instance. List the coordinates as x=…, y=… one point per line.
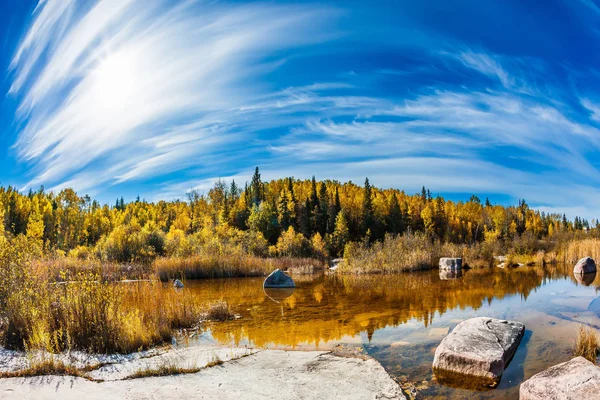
x=280, y=218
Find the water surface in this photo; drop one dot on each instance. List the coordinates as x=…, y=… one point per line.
x=400, y=319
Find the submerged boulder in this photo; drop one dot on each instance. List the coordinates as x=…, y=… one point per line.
x=449, y=263
x=576, y=379
x=277, y=279
x=594, y=306
x=477, y=351
x=585, y=266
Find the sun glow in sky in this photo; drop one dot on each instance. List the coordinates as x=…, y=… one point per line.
x=151, y=98
x=115, y=81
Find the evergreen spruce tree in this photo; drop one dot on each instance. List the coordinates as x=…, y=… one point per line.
x=334, y=210
x=395, y=220
x=257, y=188
x=314, y=197
x=225, y=210
x=323, y=210
x=234, y=192
x=291, y=189
x=367, y=209
x=283, y=212
x=304, y=219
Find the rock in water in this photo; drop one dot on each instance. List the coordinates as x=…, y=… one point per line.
x=595, y=306
x=576, y=379
x=177, y=284
x=453, y=264
x=278, y=279
x=585, y=266
x=477, y=351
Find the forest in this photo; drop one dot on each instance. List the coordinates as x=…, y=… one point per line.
x=281, y=218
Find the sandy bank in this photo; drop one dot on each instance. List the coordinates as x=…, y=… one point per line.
x=265, y=374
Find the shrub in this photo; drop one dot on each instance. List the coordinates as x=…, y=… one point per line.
x=292, y=244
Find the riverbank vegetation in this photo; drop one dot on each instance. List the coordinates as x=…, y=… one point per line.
x=62, y=254
x=86, y=313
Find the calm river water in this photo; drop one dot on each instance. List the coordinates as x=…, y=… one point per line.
x=400, y=319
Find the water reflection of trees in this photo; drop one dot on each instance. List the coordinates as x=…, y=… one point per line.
x=327, y=308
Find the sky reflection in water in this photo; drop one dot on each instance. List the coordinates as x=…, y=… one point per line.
x=400, y=319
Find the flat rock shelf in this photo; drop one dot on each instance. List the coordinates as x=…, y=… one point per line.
x=267, y=374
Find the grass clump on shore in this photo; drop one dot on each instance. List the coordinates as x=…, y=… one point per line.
x=219, y=311
x=163, y=370
x=587, y=344
x=170, y=368
x=45, y=366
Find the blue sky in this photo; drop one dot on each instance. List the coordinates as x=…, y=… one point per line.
x=126, y=97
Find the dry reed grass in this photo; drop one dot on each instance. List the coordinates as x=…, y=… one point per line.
x=45, y=366
x=213, y=266
x=163, y=370
x=96, y=316
x=576, y=249
x=410, y=253
x=587, y=344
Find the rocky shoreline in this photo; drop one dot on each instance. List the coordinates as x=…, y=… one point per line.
x=239, y=373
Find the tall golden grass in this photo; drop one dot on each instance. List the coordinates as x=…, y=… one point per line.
x=409, y=253
x=225, y=266
x=97, y=316
x=64, y=269
x=576, y=249
x=587, y=344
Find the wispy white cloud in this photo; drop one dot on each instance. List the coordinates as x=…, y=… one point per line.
x=592, y=107
x=110, y=82
x=485, y=64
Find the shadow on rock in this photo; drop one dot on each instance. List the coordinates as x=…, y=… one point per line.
x=514, y=373
x=586, y=279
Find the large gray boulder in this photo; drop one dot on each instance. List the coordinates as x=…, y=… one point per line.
x=477, y=350
x=277, y=279
x=585, y=266
x=452, y=264
x=576, y=379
